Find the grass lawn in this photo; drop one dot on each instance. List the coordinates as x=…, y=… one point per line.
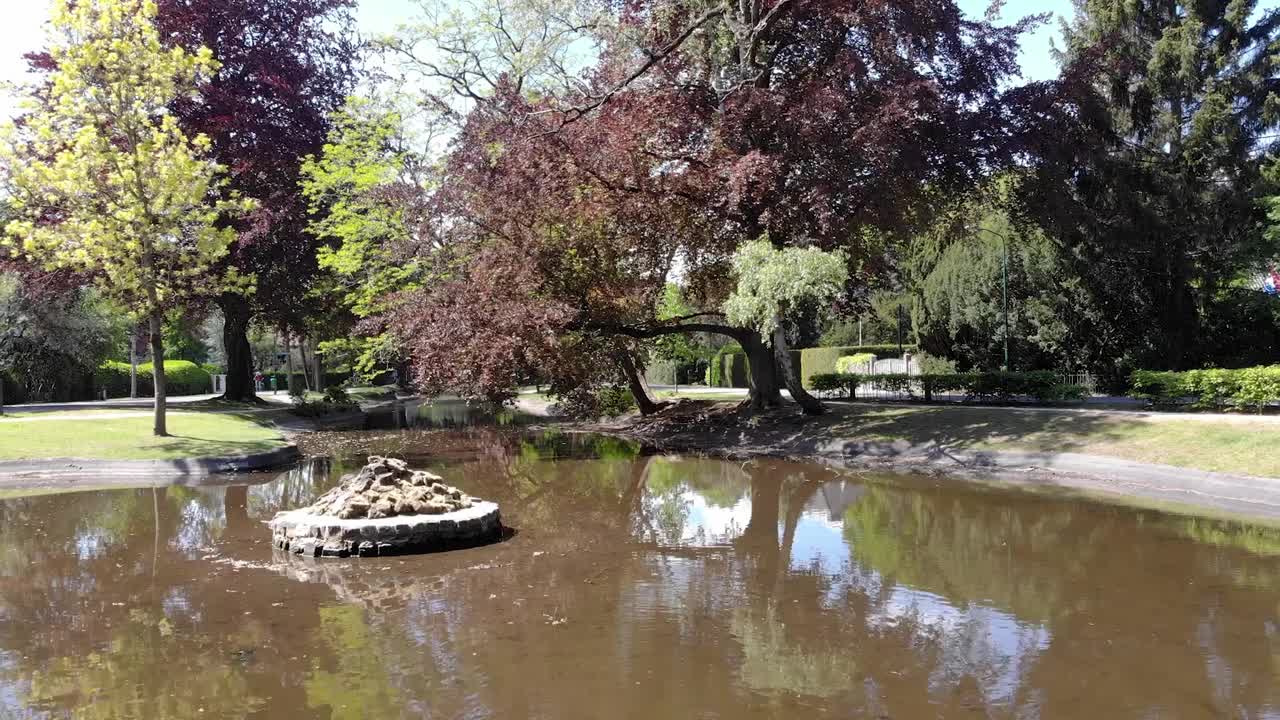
x=692, y=394
x=127, y=435
x=1238, y=444
x=364, y=393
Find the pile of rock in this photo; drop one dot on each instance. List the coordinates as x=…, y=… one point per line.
x=386, y=487
x=387, y=509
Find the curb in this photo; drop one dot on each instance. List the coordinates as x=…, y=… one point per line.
x=1224, y=492
x=17, y=472
x=1093, y=475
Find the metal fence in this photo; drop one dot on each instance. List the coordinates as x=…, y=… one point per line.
x=892, y=390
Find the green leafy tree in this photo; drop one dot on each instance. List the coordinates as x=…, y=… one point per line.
x=361, y=193
x=772, y=283
x=50, y=341
x=1152, y=185
x=105, y=182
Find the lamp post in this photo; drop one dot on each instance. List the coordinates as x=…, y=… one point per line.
x=1004, y=285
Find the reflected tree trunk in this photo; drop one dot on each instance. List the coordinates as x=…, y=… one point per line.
x=235, y=504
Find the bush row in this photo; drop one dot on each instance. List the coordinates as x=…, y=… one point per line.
x=822, y=360
x=1254, y=387
x=1043, y=386
x=183, y=377
x=728, y=367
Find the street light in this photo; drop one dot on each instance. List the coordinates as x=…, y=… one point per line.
x=1004, y=244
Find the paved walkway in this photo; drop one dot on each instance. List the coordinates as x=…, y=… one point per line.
x=175, y=402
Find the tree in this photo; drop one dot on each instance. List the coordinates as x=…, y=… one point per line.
x=362, y=190
x=104, y=180
x=701, y=127
x=1150, y=188
x=51, y=338
x=284, y=67
x=772, y=283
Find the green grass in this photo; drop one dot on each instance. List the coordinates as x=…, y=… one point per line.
x=362, y=393
x=129, y=438
x=698, y=395
x=1238, y=445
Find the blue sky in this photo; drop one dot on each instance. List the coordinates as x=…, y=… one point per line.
x=21, y=31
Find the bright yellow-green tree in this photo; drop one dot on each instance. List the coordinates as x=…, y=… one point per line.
x=103, y=180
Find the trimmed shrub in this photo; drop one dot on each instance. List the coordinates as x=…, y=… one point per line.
x=854, y=363
x=1042, y=386
x=823, y=359
x=661, y=372
x=736, y=370
x=845, y=383
x=716, y=377
x=1255, y=387
x=1258, y=387
x=182, y=377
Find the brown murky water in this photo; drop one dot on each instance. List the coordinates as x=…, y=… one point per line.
x=637, y=586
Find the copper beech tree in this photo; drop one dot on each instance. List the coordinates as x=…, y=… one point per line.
x=699, y=126
x=285, y=67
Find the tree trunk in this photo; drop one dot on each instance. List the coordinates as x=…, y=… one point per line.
x=288, y=361
x=1, y=394
x=318, y=361
x=645, y=400
x=306, y=364
x=765, y=391
x=157, y=372
x=235, y=343
x=133, y=362
x=782, y=356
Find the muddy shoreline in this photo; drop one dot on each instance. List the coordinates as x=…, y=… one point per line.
x=717, y=432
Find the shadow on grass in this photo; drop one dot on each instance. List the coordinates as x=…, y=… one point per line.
x=976, y=428
x=862, y=431
x=192, y=443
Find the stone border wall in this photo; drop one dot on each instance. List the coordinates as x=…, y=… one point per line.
x=20, y=472
x=303, y=533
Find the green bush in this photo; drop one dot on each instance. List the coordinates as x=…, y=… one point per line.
x=661, y=372
x=845, y=383
x=182, y=377
x=1042, y=386
x=1254, y=387
x=716, y=376
x=823, y=359
x=736, y=370
x=934, y=365
x=931, y=384
x=1258, y=386
x=854, y=363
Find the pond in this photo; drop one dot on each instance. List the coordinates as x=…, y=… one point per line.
x=636, y=585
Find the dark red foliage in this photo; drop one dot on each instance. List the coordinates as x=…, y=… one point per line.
x=286, y=65
x=830, y=117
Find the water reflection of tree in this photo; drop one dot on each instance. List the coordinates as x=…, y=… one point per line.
x=1131, y=628
x=598, y=609
x=115, y=616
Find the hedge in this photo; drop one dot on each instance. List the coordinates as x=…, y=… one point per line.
x=282, y=380
x=716, y=373
x=815, y=361
x=182, y=377
x=661, y=372
x=1254, y=387
x=1039, y=385
x=853, y=363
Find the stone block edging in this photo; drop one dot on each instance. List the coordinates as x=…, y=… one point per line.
x=75, y=469
x=304, y=533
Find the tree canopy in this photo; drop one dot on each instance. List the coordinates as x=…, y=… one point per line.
x=103, y=179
